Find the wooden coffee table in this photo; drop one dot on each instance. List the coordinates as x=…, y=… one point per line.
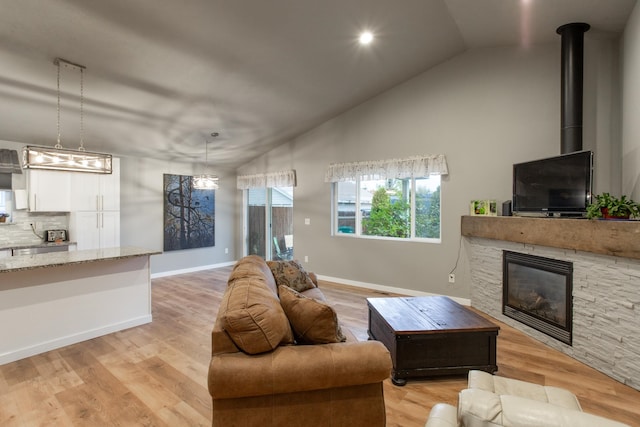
x=430, y=336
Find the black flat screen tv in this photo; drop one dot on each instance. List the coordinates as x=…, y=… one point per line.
x=556, y=186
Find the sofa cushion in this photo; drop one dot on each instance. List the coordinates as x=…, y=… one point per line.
x=291, y=274
x=253, y=317
x=313, y=322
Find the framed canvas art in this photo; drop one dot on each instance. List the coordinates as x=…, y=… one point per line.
x=189, y=214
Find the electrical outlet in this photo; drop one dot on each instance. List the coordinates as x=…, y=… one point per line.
x=307, y=221
x=452, y=278
x=306, y=258
x=226, y=250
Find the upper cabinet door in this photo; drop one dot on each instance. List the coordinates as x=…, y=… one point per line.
x=110, y=188
x=49, y=191
x=96, y=192
x=84, y=190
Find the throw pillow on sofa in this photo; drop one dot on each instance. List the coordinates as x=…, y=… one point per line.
x=313, y=322
x=254, y=318
x=291, y=274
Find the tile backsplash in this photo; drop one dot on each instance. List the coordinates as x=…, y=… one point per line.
x=18, y=231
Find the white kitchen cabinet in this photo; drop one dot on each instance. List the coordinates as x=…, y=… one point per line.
x=5, y=253
x=96, y=192
x=95, y=230
x=49, y=191
x=109, y=229
x=94, y=222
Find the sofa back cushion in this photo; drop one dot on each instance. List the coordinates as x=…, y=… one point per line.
x=481, y=408
x=256, y=267
x=510, y=386
x=253, y=317
x=313, y=322
x=518, y=411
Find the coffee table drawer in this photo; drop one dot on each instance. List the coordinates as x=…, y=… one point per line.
x=444, y=354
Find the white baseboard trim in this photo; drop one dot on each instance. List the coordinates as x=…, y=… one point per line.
x=390, y=289
x=191, y=270
x=21, y=353
x=381, y=288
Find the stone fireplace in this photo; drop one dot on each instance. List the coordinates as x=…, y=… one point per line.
x=537, y=291
x=606, y=282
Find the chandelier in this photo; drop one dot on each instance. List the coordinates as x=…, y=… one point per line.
x=59, y=158
x=206, y=181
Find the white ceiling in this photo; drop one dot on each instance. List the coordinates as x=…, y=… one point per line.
x=161, y=75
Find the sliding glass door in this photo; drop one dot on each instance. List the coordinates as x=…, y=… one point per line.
x=256, y=215
x=269, y=222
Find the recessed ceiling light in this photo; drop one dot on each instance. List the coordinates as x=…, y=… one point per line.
x=366, y=37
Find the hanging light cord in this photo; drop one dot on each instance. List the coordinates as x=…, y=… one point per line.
x=81, y=148
x=58, y=145
x=206, y=156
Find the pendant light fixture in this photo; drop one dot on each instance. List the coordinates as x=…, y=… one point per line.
x=59, y=158
x=206, y=181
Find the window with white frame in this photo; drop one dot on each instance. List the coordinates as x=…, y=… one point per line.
x=397, y=199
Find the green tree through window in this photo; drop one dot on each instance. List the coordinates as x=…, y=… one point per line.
x=428, y=213
x=389, y=217
x=396, y=208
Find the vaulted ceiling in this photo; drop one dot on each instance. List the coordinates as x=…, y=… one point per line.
x=162, y=75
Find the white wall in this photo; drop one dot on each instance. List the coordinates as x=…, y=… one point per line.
x=141, y=201
x=631, y=106
x=485, y=110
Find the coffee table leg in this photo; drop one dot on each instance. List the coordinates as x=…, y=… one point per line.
x=398, y=381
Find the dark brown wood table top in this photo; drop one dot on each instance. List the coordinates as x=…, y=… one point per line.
x=433, y=314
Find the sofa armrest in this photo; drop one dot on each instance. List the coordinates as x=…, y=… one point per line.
x=481, y=380
x=479, y=408
x=442, y=415
x=296, y=368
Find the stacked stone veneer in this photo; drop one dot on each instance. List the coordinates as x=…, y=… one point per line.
x=606, y=304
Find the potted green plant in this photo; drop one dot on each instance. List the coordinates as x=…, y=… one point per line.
x=610, y=207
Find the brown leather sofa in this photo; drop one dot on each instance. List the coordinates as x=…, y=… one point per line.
x=258, y=375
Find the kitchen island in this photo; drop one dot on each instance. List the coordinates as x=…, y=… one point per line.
x=52, y=300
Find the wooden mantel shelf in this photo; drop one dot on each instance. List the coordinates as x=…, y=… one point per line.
x=615, y=238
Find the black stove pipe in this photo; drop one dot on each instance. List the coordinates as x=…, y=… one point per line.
x=571, y=83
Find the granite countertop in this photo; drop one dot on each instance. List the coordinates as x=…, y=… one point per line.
x=55, y=259
x=37, y=245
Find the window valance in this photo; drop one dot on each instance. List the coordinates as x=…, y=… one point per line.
x=411, y=167
x=271, y=179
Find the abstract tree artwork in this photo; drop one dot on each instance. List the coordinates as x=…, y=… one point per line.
x=189, y=214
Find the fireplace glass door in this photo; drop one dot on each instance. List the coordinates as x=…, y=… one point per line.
x=537, y=292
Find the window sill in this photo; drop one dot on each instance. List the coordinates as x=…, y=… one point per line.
x=393, y=239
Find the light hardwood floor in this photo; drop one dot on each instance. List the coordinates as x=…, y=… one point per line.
x=155, y=374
